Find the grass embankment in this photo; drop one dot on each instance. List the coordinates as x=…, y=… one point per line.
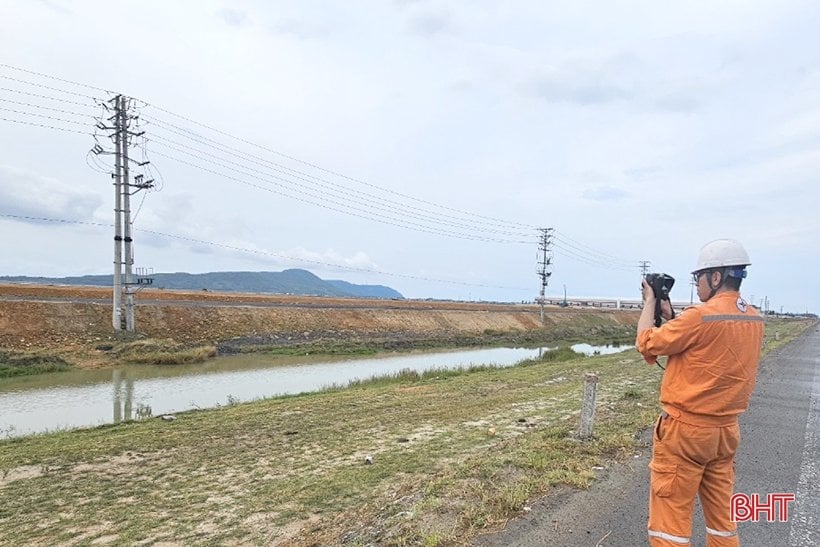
x=14, y=363
x=454, y=454
x=141, y=351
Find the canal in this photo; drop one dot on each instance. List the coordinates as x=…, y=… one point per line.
x=68, y=400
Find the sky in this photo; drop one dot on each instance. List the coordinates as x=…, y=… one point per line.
x=420, y=144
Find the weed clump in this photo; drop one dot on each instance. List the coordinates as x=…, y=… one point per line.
x=162, y=352
x=24, y=364
x=560, y=355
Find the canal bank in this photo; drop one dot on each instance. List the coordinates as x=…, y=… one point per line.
x=73, y=323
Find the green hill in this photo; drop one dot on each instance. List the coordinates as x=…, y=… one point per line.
x=294, y=281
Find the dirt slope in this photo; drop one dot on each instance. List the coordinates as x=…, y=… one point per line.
x=52, y=317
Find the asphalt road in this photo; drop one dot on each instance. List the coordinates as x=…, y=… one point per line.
x=779, y=453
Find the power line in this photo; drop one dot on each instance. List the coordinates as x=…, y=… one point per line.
x=42, y=116
x=380, y=202
x=30, y=94
x=50, y=88
x=331, y=172
x=4, y=65
x=584, y=249
x=47, y=126
x=323, y=197
x=563, y=251
x=317, y=201
x=45, y=107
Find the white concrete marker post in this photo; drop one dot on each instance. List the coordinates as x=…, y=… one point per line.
x=588, y=406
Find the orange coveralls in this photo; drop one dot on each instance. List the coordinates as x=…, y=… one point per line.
x=713, y=350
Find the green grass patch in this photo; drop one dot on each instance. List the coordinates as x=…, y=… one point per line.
x=28, y=363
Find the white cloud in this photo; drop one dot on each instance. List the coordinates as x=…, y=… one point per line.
x=28, y=194
x=234, y=17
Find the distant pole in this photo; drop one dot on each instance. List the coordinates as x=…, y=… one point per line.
x=644, y=265
x=691, y=291
x=116, y=317
x=544, y=263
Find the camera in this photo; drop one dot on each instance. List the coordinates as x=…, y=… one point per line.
x=661, y=284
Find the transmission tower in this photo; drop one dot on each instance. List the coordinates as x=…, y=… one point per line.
x=544, y=262
x=123, y=138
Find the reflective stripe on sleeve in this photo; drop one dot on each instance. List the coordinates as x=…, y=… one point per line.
x=729, y=317
x=720, y=533
x=668, y=537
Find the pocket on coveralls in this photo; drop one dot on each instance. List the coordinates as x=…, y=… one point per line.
x=663, y=480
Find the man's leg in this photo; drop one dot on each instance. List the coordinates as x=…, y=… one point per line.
x=674, y=481
x=716, y=489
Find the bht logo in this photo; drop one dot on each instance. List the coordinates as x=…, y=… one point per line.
x=746, y=507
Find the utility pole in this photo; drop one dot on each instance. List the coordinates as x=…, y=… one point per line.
x=123, y=190
x=544, y=262
x=644, y=266
x=117, y=304
x=691, y=291
x=126, y=205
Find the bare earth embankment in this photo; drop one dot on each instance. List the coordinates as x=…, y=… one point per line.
x=75, y=322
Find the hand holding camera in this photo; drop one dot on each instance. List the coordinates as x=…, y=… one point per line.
x=658, y=285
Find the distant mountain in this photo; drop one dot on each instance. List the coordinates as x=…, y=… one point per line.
x=294, y=281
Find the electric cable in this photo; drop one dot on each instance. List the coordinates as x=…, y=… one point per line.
x=4, y=65
x=325, y=183
x=41, y=116
x=328, y=171
x=26, y=82
x=319, y=204
x=325, y=189
x=47, y=126
x=28, y=93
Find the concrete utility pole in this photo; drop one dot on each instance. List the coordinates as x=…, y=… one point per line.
x=116, y=318
x=123, y=190
x=126, y=205
x=544, y=263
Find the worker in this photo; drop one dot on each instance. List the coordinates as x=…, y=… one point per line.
x=713, y=353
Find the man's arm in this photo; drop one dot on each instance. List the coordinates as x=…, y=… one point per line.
x=647, y=319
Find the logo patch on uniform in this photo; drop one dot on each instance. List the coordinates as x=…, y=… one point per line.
x=741, y=305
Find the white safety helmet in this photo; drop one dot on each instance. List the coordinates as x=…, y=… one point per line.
x=722, y=253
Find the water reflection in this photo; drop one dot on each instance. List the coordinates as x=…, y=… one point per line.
x=87, y=398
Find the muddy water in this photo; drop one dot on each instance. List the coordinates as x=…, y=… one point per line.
x=87, y=398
